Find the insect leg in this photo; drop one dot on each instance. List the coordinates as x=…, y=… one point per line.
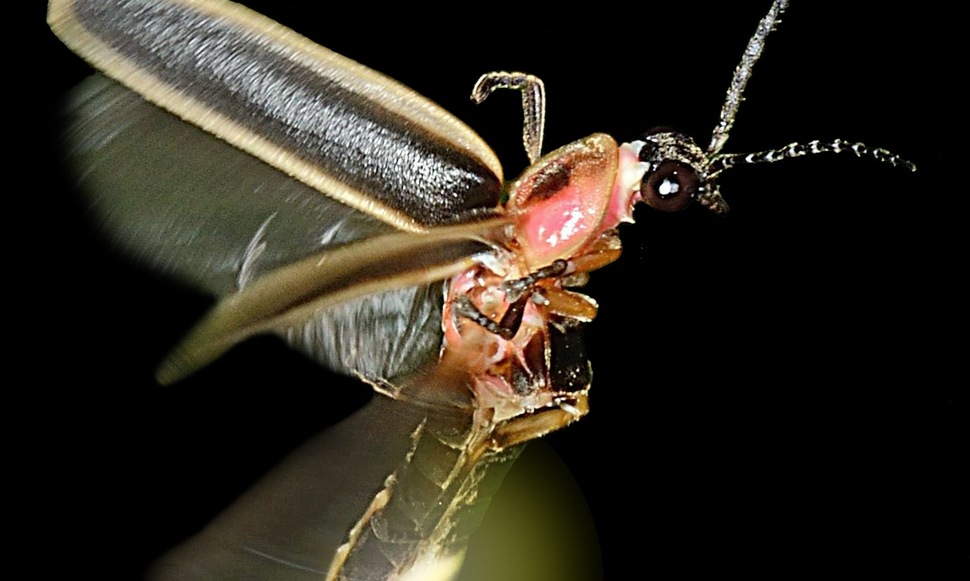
x=533, y=104
x=467, y=309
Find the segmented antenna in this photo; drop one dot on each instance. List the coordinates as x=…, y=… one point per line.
x=717, y=162
x=725, y=161
x=741, y=75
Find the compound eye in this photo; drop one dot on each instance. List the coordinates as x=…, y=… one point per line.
x=670, y=187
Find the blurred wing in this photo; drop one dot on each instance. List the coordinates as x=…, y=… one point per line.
x=189, y=204
x=290, y=295
x=342, y=286
x=342, y=154
x=396, y=485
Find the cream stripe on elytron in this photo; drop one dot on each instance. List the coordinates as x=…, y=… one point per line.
x=405, y=102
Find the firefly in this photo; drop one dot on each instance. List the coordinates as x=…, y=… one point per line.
x=375, y=232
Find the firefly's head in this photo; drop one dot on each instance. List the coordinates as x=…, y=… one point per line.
x=667, y=169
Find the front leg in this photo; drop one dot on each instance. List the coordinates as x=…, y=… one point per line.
x=533, y=104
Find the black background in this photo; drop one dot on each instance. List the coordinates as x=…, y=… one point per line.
x=775, y=391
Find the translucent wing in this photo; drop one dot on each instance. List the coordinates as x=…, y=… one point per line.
x=195, y=208
x=283, y=528
x=189, y=204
